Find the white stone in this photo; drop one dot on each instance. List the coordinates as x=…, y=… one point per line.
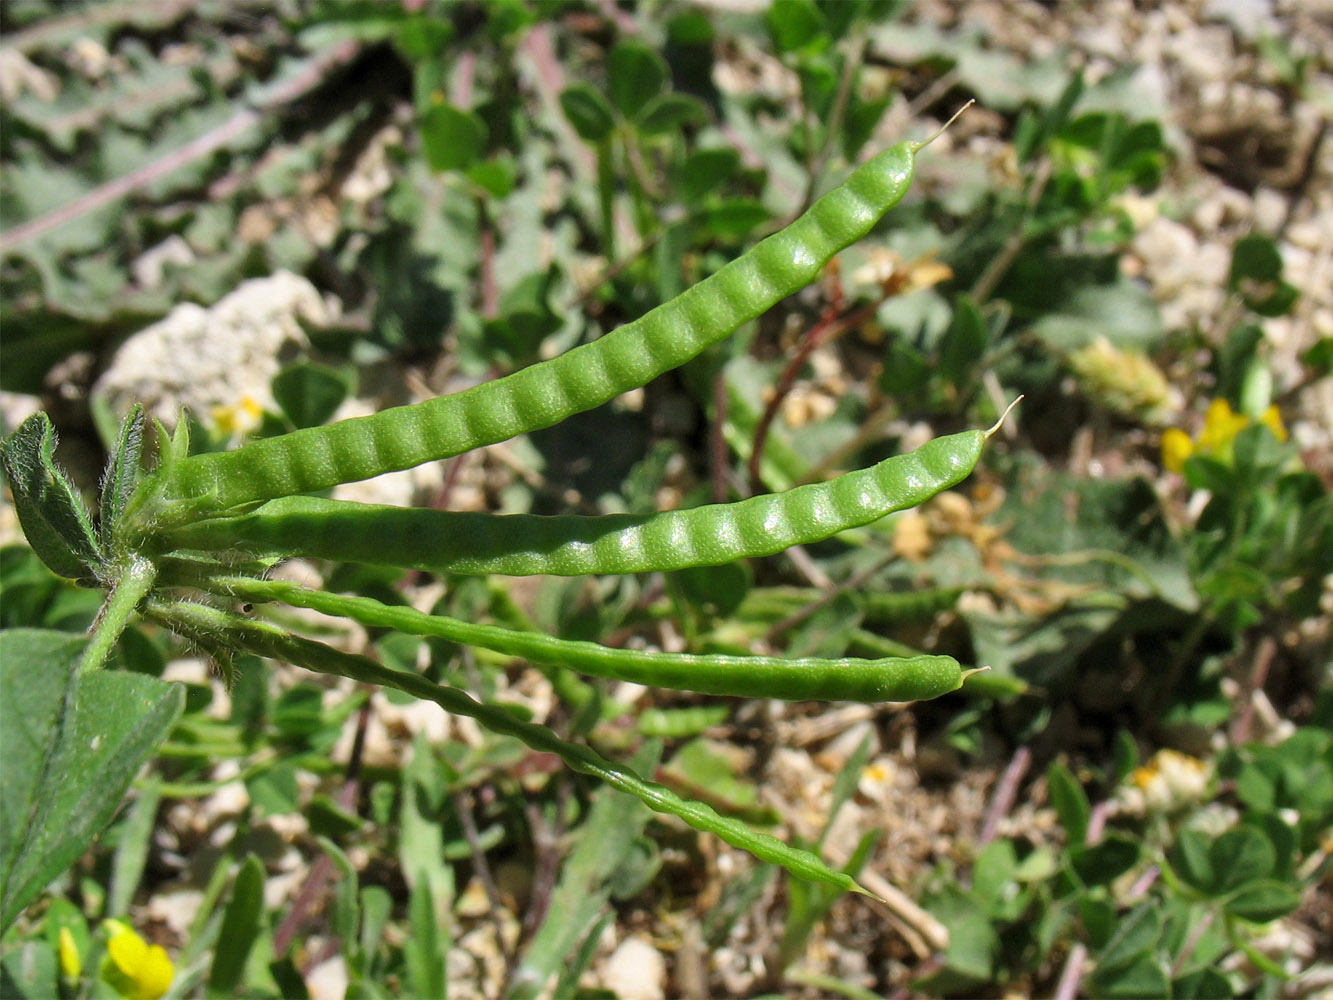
x=635, y=971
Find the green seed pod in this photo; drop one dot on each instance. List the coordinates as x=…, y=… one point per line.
x=524, y=544
x=317, y=458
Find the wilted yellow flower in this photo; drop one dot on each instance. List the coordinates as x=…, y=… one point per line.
x=240, y=417
x=132, y=967
x=1124, y=381
x=71, y=962
x=1171, y=779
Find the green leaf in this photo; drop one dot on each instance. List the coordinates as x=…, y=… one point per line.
x=588, y=111
x=1104, y=862
x=859, y=123
x=309, y=393
x=1202, y=984
x=423, y=37
x=797, y=25
x=425, y=958
x=704, y=171
x=1123, y=313
x=715, y=590
x=1138, y=933
x=1264, y=900
x=606, y=844
x=1320, y=357
x=973, y=946
x=49, y=508
x=1241, y=854
x=133, y=836
x=453, y=139
x=497, y=176
x=344, y=915
x=29, y=972
x=1256, y=273
x=670, y=112
x=732, y=219
x=1098, y=917
x=1189, y=858
x=70, y=748
x=1070, y=801
x=240, y=927
x=1254, y=258
x=1146, y=976
x=964, y=341
x=635, y=74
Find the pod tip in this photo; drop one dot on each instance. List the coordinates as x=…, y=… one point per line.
x=1000, y=423
x=917, y=147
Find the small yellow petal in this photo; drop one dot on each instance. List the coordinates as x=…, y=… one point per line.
x=126, y=949
x=1272, y=419
x=1221, y=424
x=1176, y=447
x=155, y=974
x=133, y=968
x=71, y=962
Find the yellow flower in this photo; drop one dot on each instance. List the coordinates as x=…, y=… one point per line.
x=1272, y=419
x=1221, y=424
x=1176, y=447
x=71, y=962
x=132, y=967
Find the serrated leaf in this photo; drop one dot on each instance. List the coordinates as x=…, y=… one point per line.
x=70, y=747
x=49, y=508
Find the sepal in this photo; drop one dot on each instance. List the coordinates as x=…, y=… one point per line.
x=54, y=518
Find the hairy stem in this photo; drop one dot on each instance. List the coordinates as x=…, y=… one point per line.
x=132, y=587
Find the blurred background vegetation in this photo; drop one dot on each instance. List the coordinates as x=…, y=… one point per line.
x=278, y=214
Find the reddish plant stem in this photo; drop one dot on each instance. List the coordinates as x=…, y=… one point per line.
x=717, y=440
x=482, y=868
x=1072, y=973
x=1006, y=791
x=1263, y=661
x=827, y=328
x=1071, y=976
x=239, y=123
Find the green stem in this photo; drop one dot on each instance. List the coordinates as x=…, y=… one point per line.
x=130, y=590
x=213, y=628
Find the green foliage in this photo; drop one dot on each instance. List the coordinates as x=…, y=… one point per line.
x=529, y=180
x=71, y=745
